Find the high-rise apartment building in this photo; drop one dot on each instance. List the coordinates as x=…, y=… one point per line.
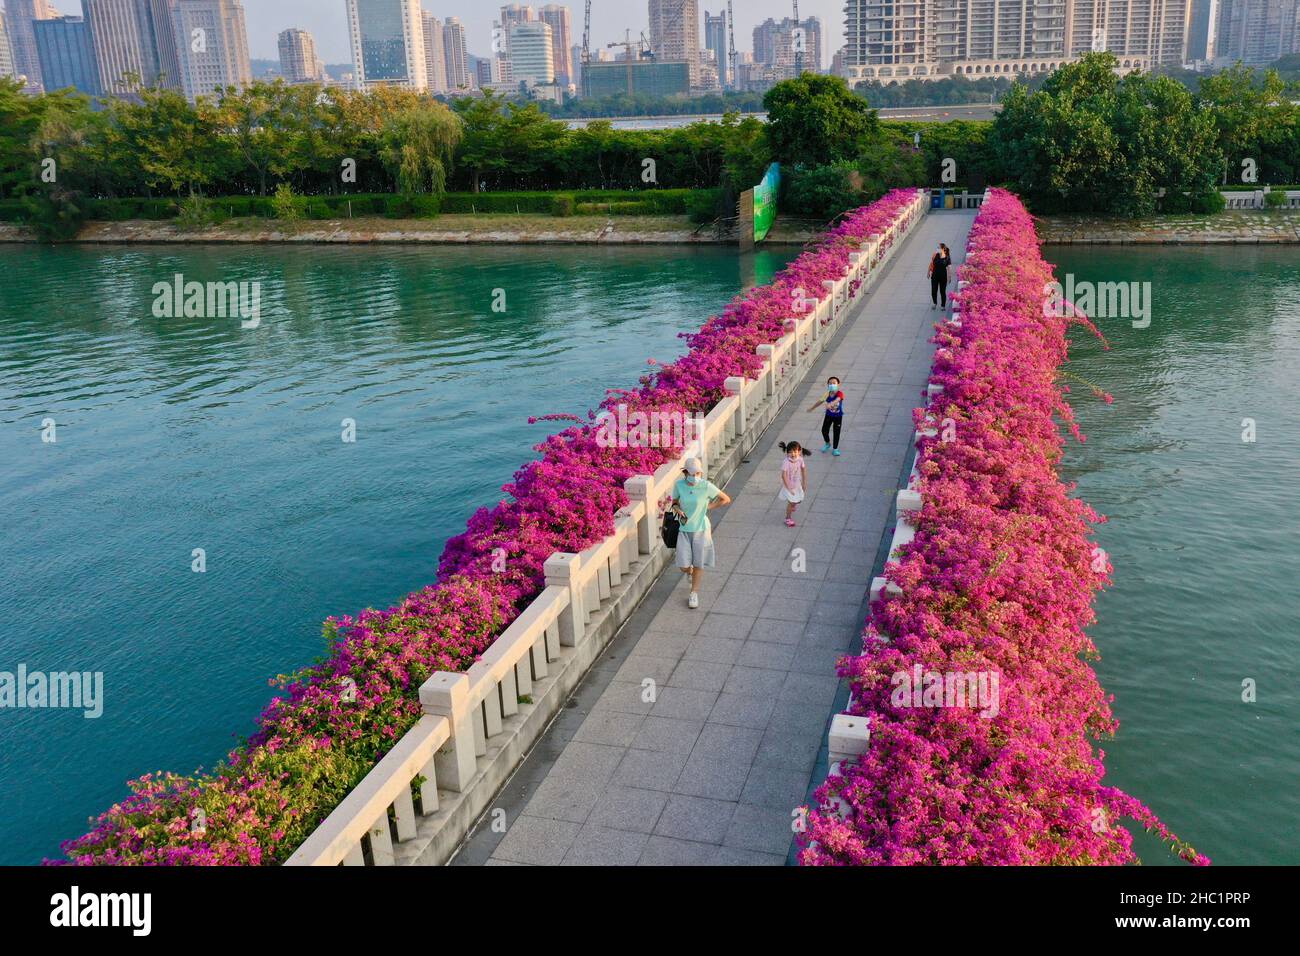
x=212, y=40
x=1141, y=33
x=1202, y=31
x=715, y=39
x=67, y=55
x=675, y=34
x=6, y=55
x=298, y=60
x=560, y=19
x=575, y=65
x=776, y=45
x=388, y=43
x=532, y=53
x=457, y=54
x=435, y=54
x=502, y=63
x=896, y=40
x=1258, y=31
x=19, y=17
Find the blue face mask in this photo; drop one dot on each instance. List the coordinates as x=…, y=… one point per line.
x=832, y=389
x=692, y=479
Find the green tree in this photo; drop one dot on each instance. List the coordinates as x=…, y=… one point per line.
x=817, y=119
x=1091, y=142
x=1247, y=111
x=175, y=145
x=257, y=121
x=418, y=145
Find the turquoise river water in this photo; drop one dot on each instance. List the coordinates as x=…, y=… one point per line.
x=178, y=434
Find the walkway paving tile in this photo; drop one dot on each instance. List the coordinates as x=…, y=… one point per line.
x=708, y=770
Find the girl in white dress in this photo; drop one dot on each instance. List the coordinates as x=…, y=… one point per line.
x=794, y=479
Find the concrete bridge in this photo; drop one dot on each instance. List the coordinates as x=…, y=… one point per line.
x=611, y=724
x=711, y=772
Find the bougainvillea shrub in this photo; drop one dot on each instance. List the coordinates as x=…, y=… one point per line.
x=999, y=580
x=334, y=720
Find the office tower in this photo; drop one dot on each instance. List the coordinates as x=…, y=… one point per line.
x=1202, y=31
x=125, y=40
x=457, y=56
x=6, y=55
x=1258, y=31
x=560, y=20
x=298, y=60
x=212, y=41
x=482, y=72
x=532, y=56
x=162, y=23
x=435, y=54
x=675, y=33
x=715, y=39
x=388, y=43
x=67, y=55
x=19, y=17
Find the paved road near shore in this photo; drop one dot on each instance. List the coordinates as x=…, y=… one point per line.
x=710, y=772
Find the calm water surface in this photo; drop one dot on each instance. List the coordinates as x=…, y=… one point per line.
x=1204, y=533
x=177, y=434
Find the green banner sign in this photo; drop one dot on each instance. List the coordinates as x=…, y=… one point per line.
x=765, y=194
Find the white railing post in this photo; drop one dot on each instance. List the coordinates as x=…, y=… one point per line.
x=829, y=286
x=638, y=490
x=447, y=695
x=561, y=569
x=767, y=352
x=735, y=385
x=848, y=738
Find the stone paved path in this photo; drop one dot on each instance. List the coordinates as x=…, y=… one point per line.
x=710, y=772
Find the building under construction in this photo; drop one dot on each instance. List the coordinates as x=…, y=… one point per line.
x=646, y=77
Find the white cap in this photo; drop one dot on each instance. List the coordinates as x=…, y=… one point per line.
x=693, y=466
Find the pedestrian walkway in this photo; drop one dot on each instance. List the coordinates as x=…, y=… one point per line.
x=694, y=737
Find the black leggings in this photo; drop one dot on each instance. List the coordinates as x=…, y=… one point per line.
x=939, y=289
x=829, y=422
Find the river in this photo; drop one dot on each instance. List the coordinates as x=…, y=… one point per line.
x=197, y=443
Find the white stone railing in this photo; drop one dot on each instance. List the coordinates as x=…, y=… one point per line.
x=419, y=801
x=1254, y=199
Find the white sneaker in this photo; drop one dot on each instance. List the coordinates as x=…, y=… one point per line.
x=693, y=600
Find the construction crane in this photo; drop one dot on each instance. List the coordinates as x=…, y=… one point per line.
x=627, y=45
x=798, y=44
x=586, y=36
x=731, y=44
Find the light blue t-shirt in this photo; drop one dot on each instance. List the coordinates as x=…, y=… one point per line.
x=694, y=499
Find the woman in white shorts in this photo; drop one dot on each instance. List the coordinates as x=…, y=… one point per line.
x=694, y=497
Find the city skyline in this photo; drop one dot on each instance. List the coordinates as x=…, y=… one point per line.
x=326, y=21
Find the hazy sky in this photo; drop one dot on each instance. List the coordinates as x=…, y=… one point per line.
x=609, y=18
